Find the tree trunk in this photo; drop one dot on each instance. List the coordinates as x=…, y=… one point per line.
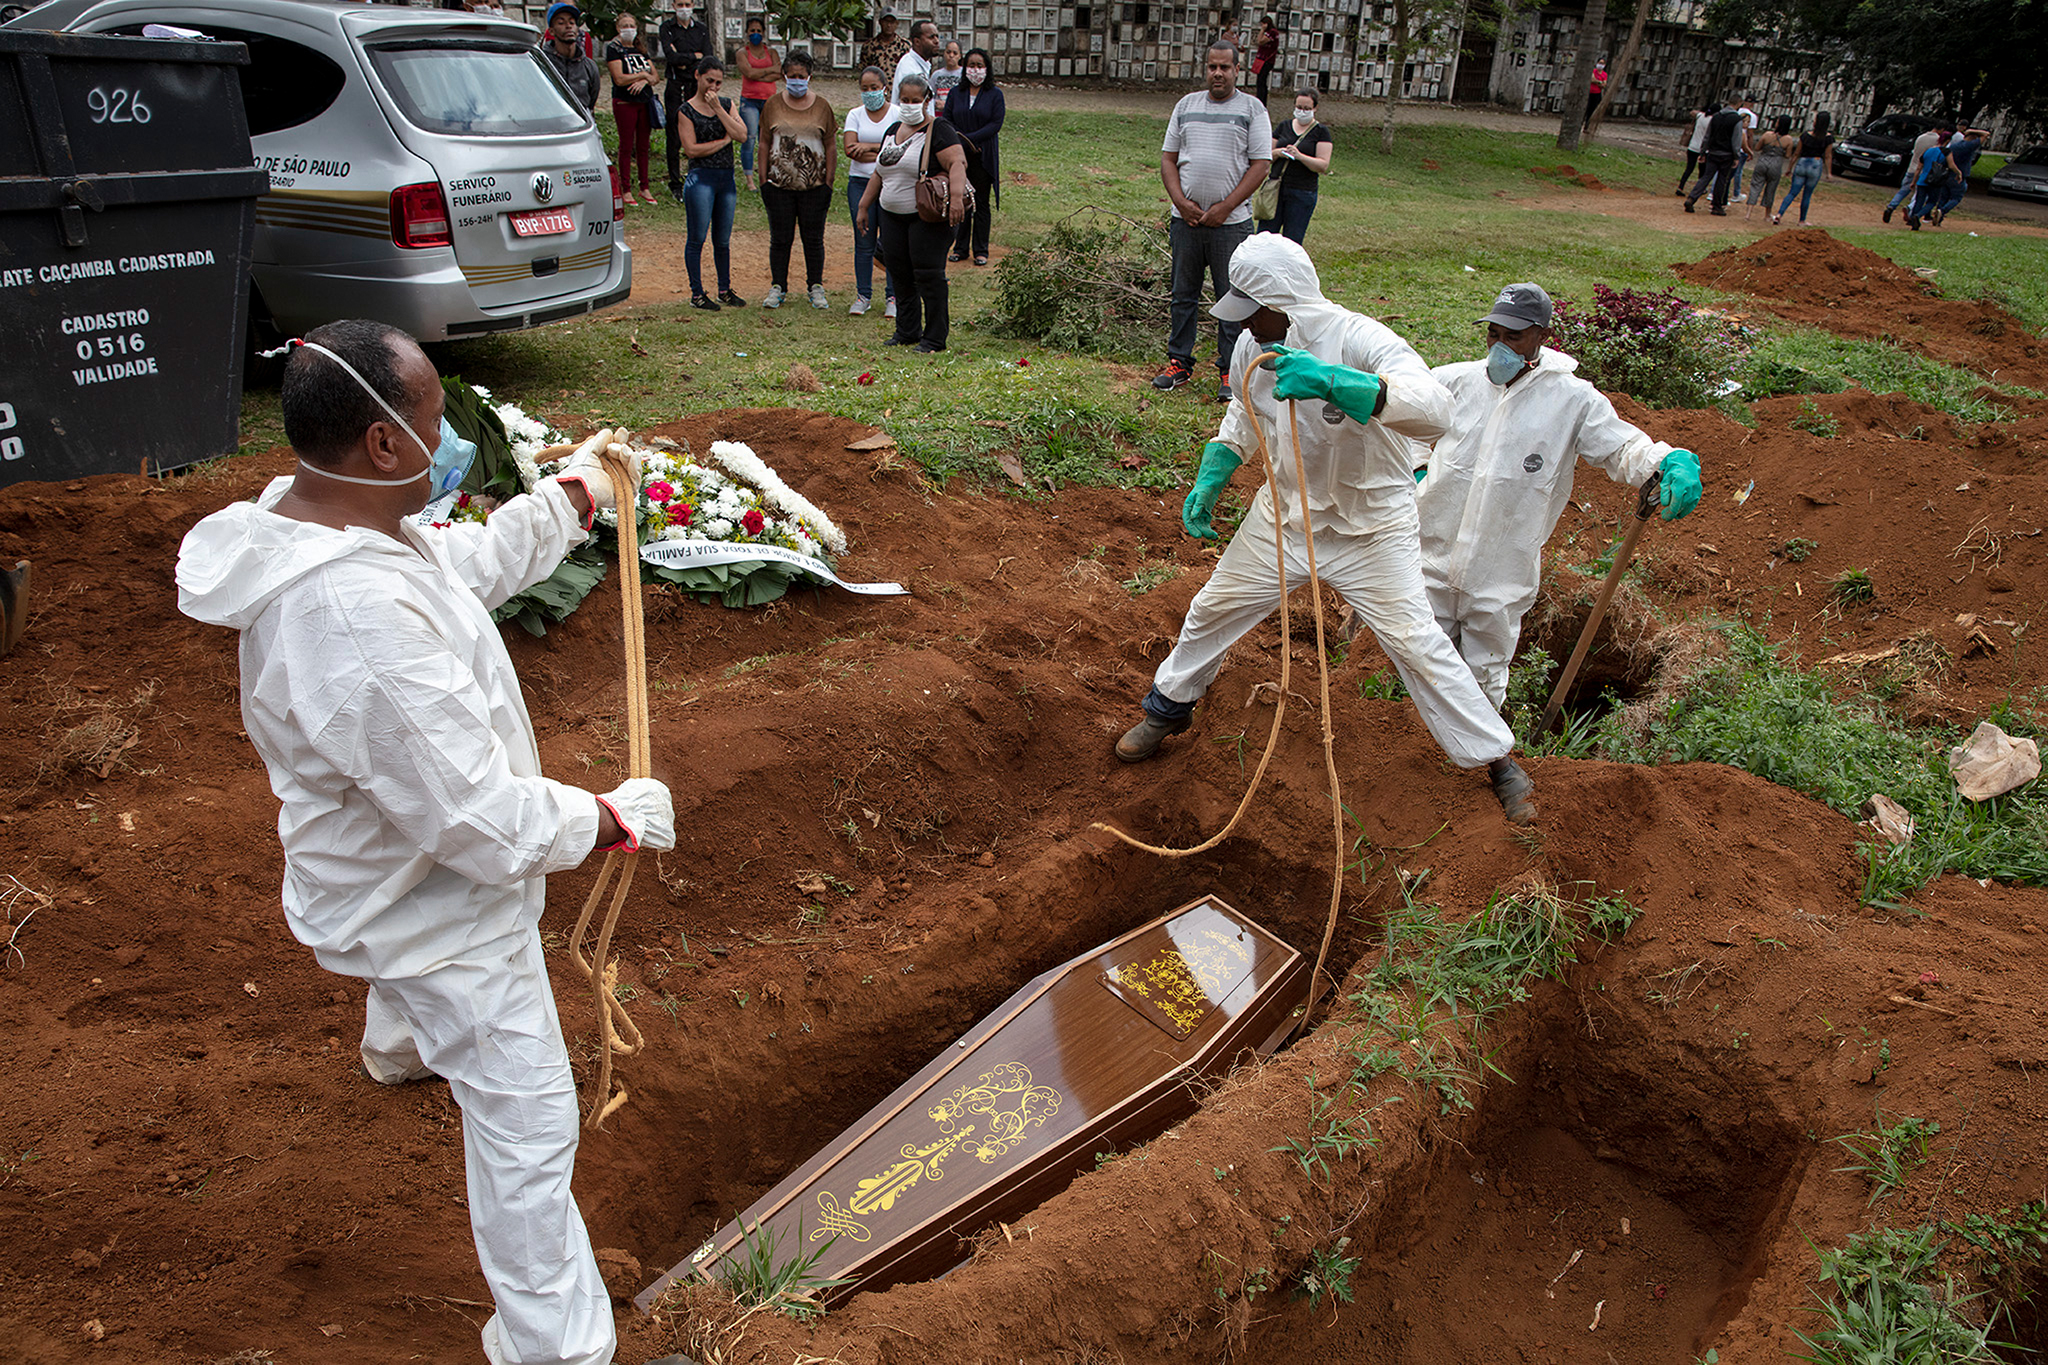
x=1399, y=65
x=1617, y=72
x=1592, y=33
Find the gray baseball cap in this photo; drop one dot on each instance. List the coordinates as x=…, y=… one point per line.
x=1519, y=306
x=1233, y=307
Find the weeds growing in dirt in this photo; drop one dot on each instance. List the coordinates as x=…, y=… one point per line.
x=2007, y=1248
x=1852, y=587
x=1890, y=1153
x=1096, y=282
x=1329, y=1135
x=1328, y=1271
x=1755, y=709
x=1890, y=1305
x=1612, y=915
x=1813, y=421
x=762, y=1276
x=1799, y=549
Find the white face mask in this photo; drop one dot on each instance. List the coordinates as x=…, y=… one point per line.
x=687, y=16
x=628, y=35
x=912, y=115
x=976, y=75
x=1304, y=118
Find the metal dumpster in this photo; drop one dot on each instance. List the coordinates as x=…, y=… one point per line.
x=127, y=210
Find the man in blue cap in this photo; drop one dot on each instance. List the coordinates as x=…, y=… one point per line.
x=564, y=48
x=1501, y=475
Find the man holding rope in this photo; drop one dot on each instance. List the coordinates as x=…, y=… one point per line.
x=1366, y=399
x=417, y=828
x=1521, y=420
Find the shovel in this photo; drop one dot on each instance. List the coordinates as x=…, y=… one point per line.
x=1646, y=507
x=13, y=605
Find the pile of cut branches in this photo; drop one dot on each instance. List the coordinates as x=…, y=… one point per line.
x=1097, y=281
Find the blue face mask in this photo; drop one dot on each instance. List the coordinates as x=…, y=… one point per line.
x=1503, y=363
x=875, y=100
x=753, y=40
x=797, y=86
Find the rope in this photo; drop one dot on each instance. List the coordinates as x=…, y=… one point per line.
x=1280, y=703
x=620, y=1034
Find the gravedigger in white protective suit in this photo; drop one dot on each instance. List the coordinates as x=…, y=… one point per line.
x=417, y=827
x=1364, y=401
x=1501, y=475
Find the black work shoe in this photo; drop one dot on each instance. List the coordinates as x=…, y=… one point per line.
x=1689, y=208
x=1515, y=788
x=1887, y=213
x=1141, y=741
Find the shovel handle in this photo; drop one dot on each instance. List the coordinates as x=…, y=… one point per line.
x=1646, y=507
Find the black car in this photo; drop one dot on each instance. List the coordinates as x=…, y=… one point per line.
x=1880, y=150
x=2024, y=176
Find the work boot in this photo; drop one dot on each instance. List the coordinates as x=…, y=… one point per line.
x=1515, y=788
x=1141, y=741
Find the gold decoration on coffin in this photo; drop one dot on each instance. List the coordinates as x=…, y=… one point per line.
x=1006, y=1098
x=1181, y=983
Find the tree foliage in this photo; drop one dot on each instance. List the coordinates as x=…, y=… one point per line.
x=1979, y=56
x=808, y=18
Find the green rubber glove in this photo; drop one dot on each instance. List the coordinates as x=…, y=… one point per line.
x=1422, y=474
x=1297, y=375
x=1680, y=488
x=1219, y=462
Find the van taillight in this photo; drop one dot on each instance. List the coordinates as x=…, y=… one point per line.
x=419, y=216
x=618, y=198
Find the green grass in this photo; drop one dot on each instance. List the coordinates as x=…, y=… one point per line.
x=762, y=1275
x=1758, y=710
x=1886, y=1156
x=1790, y=359
x=1891, y=1305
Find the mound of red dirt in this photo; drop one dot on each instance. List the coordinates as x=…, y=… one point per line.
x=1808, y=276
x=884, y=811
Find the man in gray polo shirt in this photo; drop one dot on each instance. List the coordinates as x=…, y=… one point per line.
x=1218, y=148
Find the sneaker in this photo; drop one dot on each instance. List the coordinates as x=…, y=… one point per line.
x=704, y=301
x=889, y=309
x=1223, y=389
x=1935, y=217
x=1176, y=373
x=1516, y=790
x=858, y=306
x=730, y=299
x=774, y=297
x=818, y=299
x=1718, y=213
x=1887, y=213
x=1141, y=741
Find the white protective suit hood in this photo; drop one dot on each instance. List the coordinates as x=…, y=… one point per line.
x=1277, y=273
x=235, y=562
x=1360, y=475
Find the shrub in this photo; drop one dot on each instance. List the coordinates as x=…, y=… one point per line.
x=1096, y=282
x=1653, y=346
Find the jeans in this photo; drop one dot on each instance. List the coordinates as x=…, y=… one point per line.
x=709, y=200
x=973, y=229
x=1926, y=200
x=750, y=114
x=1908, y=182
x=636, y=131
x=1196, y=250
x=1718, y=167
x=915, y=253
x=1291, y=221
x=1805, y=175
x=1953, y=195
x=791, y=211
x=866, y=245
x=1735, y=187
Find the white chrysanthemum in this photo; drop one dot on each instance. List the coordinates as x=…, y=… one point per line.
x=674, y=533
x=481, y=392
x=718, y=528
x=742, y=461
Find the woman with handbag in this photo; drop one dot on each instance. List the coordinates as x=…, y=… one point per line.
x=632, y=72
x=1301, y=156
x=920, y=190
x=975, y=109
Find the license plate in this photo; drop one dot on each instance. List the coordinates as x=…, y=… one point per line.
x=1860, y=162
x=543, y=223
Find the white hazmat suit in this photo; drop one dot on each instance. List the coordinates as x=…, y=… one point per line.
x=417, y=831
x=1361, y=494
x=1498, y=481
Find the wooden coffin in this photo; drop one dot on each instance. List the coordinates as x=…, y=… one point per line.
x=1097, y=1054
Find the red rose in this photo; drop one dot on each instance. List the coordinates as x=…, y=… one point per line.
x=679, y=513
x=865, y=379
x=753, y=521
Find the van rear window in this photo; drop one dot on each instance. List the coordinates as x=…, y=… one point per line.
x=475, y=91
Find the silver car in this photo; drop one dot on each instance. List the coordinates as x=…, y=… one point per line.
x=427, y=167
x=2024, y=176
